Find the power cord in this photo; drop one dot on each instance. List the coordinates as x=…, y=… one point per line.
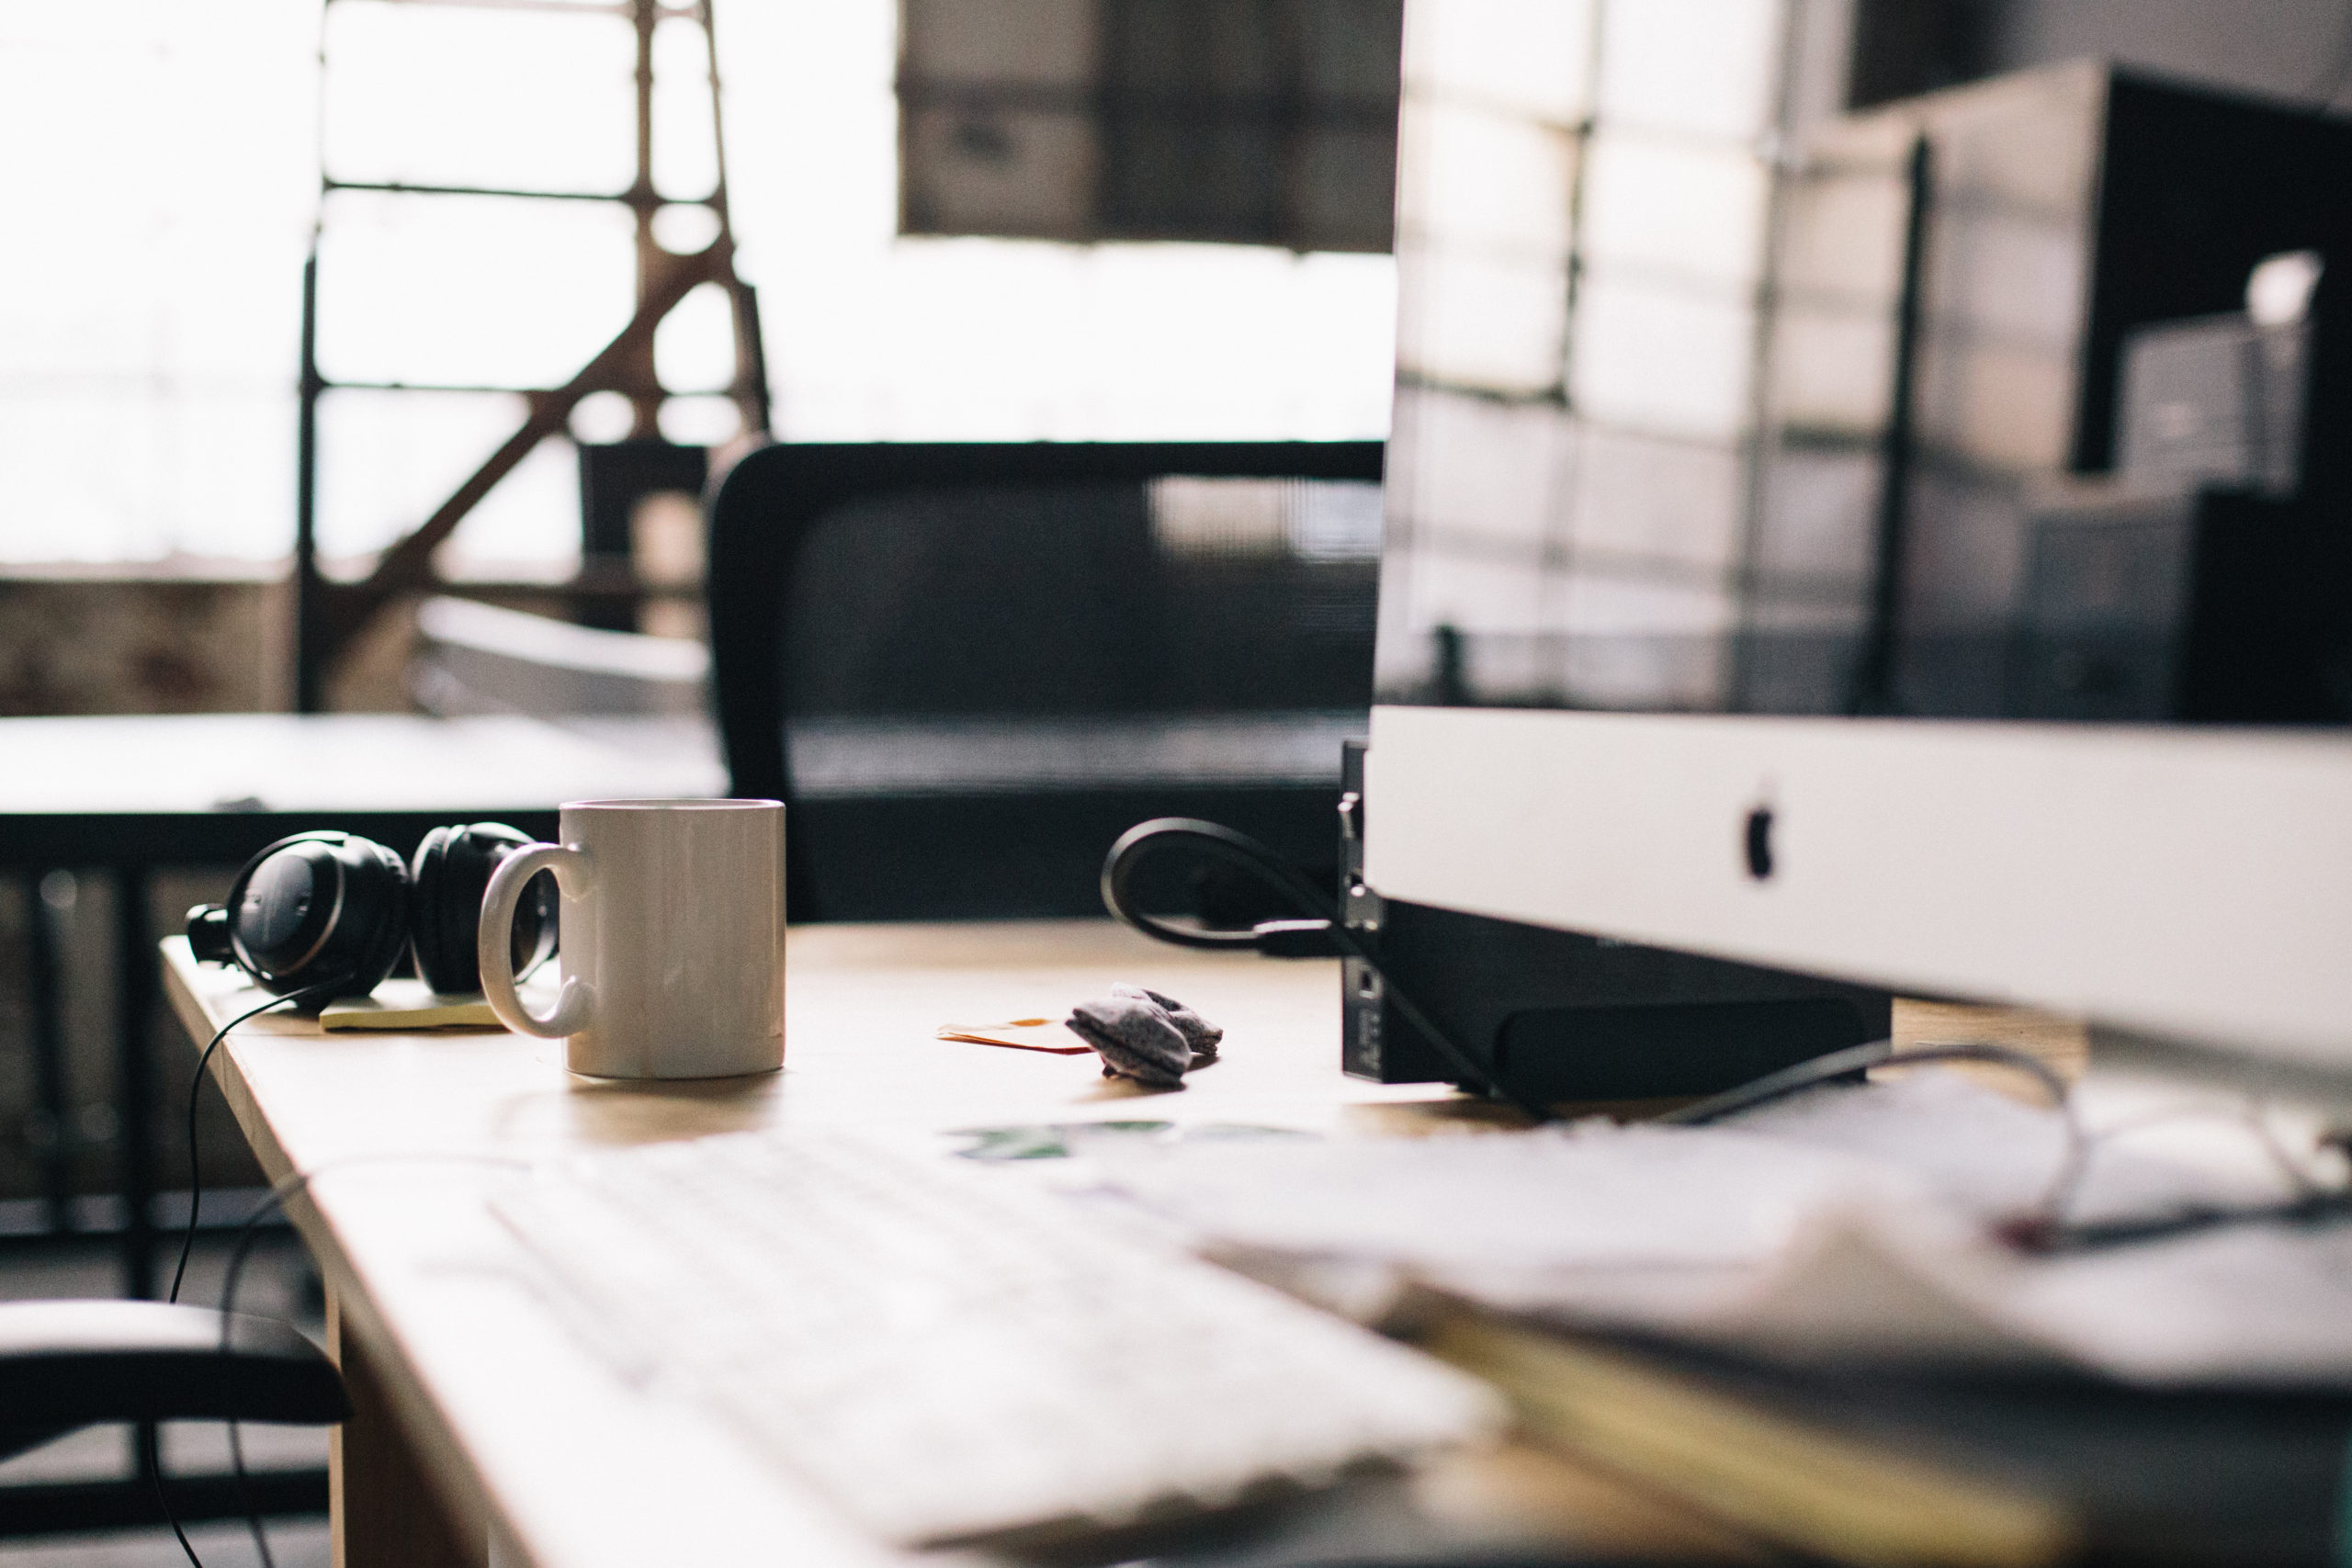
x=195, y=1089
x=152, y=1438
x=1321, y=935
x=1884, y=1054
x=2045, y=1230
x=2314, y=1202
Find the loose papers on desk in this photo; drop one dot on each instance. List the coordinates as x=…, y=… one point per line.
x=1850, y=1222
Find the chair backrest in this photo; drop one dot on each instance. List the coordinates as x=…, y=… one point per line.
x=963, y=664
x=69, y=1364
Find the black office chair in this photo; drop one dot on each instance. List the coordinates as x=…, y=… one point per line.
x=69, y=1364
x=968, y=667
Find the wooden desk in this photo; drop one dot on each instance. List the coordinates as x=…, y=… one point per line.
x=527, y=1441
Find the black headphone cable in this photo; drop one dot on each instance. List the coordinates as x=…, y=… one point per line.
x=1323, y=936
x=152, y=1438
x=271, y=1203
x=195, y=1089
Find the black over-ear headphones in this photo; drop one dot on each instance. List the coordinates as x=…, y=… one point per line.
x=331, y=913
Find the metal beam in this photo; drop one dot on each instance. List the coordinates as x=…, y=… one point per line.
x=407, y=567
x=397, y=188
x=330, y=615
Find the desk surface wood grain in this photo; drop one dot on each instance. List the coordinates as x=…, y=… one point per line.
x=529, y=1438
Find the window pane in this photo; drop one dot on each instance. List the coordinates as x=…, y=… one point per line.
x=1487, y=477
x=701, y=422
x=1473, y=321
x=1661, y=358
x=160, y=196
x=453, y=94
x=1488, y=181
x=1049, y=43
x=998, y=170
x=1692, y=211
x=472, y=290
x=1669, y=508
x=693, y=348
x=1705, y=66
x=1232, y=121
x=685, y=150
x=388, y=459
x=1531, y=58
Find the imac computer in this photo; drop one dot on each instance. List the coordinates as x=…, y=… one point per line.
x=1810, y=534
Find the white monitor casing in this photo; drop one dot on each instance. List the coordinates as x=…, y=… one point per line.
x=2191, y=884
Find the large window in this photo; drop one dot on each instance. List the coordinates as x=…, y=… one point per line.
x=876, y=334
x=158, y=178
x=162, y=180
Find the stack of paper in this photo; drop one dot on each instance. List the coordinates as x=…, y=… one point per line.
x=1852, y=1222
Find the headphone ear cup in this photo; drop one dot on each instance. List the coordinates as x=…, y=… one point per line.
x=428, y=879
x=276, y=913
x=323, y=912
x=452, y=871
x=376, y=909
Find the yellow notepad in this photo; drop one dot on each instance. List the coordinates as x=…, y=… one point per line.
x=408, y=1004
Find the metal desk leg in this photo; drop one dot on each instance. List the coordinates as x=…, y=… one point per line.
x=134, y=957
x=49, y=1051
x=382, y=1510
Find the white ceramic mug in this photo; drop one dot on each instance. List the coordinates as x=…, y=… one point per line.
x=672, y=938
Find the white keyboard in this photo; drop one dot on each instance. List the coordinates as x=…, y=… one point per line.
x=951, y=1355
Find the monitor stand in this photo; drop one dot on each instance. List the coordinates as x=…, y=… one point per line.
x=1565, y=1019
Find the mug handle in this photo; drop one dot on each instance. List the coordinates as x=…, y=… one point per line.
x=575, y=873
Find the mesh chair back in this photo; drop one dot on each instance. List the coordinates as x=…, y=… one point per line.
x=964, y=665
